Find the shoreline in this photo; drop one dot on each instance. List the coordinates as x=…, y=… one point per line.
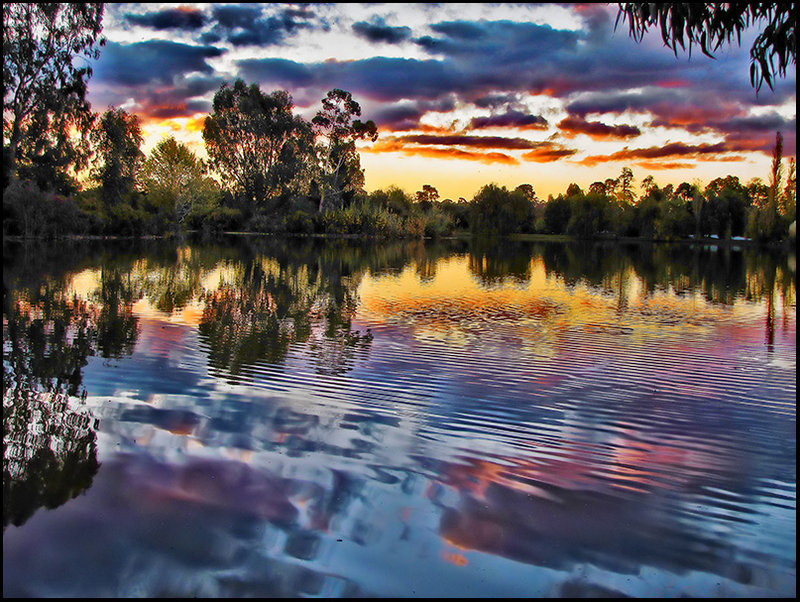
x=787, y=244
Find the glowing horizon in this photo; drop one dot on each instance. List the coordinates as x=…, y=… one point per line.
x=463, y=95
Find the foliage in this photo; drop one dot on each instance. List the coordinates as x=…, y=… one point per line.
x=117, y=138
x=256, y=144
x=176, y=184
x=710, y=25
x=496, y=210
x=557, y=214
x=31, y=213
x=44, y=89
x=588, y=215
x=393, y=199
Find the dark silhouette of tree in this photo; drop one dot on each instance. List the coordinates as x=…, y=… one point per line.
x=338, y=163
x=497, y=210
x=557, y=214
x=710, y=25
x=624, y=186
x=44, y=89
x=427, y=196
x=117, y=137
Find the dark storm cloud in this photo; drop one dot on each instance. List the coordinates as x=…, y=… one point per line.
x=406, y=115
x=474, y=60
x=596, y=129
x=471, y=141
x=495, y=100
x=695, y=110
x=171, y=18
x=506, y=42
x=378, y=31
x=248, y=25
x=509, y=119
x=620, y=101
x=378, y=78
x=153, y=61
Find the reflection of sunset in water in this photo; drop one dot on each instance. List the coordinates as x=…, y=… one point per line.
x=453, y=298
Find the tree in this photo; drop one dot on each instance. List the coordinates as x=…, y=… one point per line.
x=528, y=191
x=573, y=190
x=44, y=88
x=557, y=214
x=255, y=143
x=624, y=186
x=789, y=197
x=648, y=185
x=117, y=138
x=710, y=25
x=336, y=130
x=175, y=179
x=496, y=210
x=776, y=169
x=598, y=188
x=427, y=196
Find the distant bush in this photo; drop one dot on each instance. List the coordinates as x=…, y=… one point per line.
x=497, y=210
x=300, y=222
x=31, y=213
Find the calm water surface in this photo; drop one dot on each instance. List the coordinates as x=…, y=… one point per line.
x=257, y=417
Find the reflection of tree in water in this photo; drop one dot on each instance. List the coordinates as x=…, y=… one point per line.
x=494, y=263
x=49, y=448
x=722, y=274
x=49, y=332
x=290, y=297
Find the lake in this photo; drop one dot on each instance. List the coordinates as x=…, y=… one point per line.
x=255, y=416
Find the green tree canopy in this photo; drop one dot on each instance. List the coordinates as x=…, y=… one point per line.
x=175, y=179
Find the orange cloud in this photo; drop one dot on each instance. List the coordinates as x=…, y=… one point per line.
x=548, y=154
x=398, y=146
x=673, y=149
x=654, y=165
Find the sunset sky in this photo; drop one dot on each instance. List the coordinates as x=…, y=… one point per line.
x=463, y=94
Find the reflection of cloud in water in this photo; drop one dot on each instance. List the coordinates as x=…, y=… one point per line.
x=208, y=528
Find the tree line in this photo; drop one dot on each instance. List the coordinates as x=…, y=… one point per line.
x=70, y=171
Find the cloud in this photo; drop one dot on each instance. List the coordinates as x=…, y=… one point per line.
x=406, y=114
x=661, y=165
x=378, y=31
x=154, y=100
x=696, y=111
x=549, y=153
x=673, y=149
x=509, y=119
x=248, y=25
x=471, y=141
x=182, y=17
x=152, y=61
x=399, y=145
x=572, y=126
